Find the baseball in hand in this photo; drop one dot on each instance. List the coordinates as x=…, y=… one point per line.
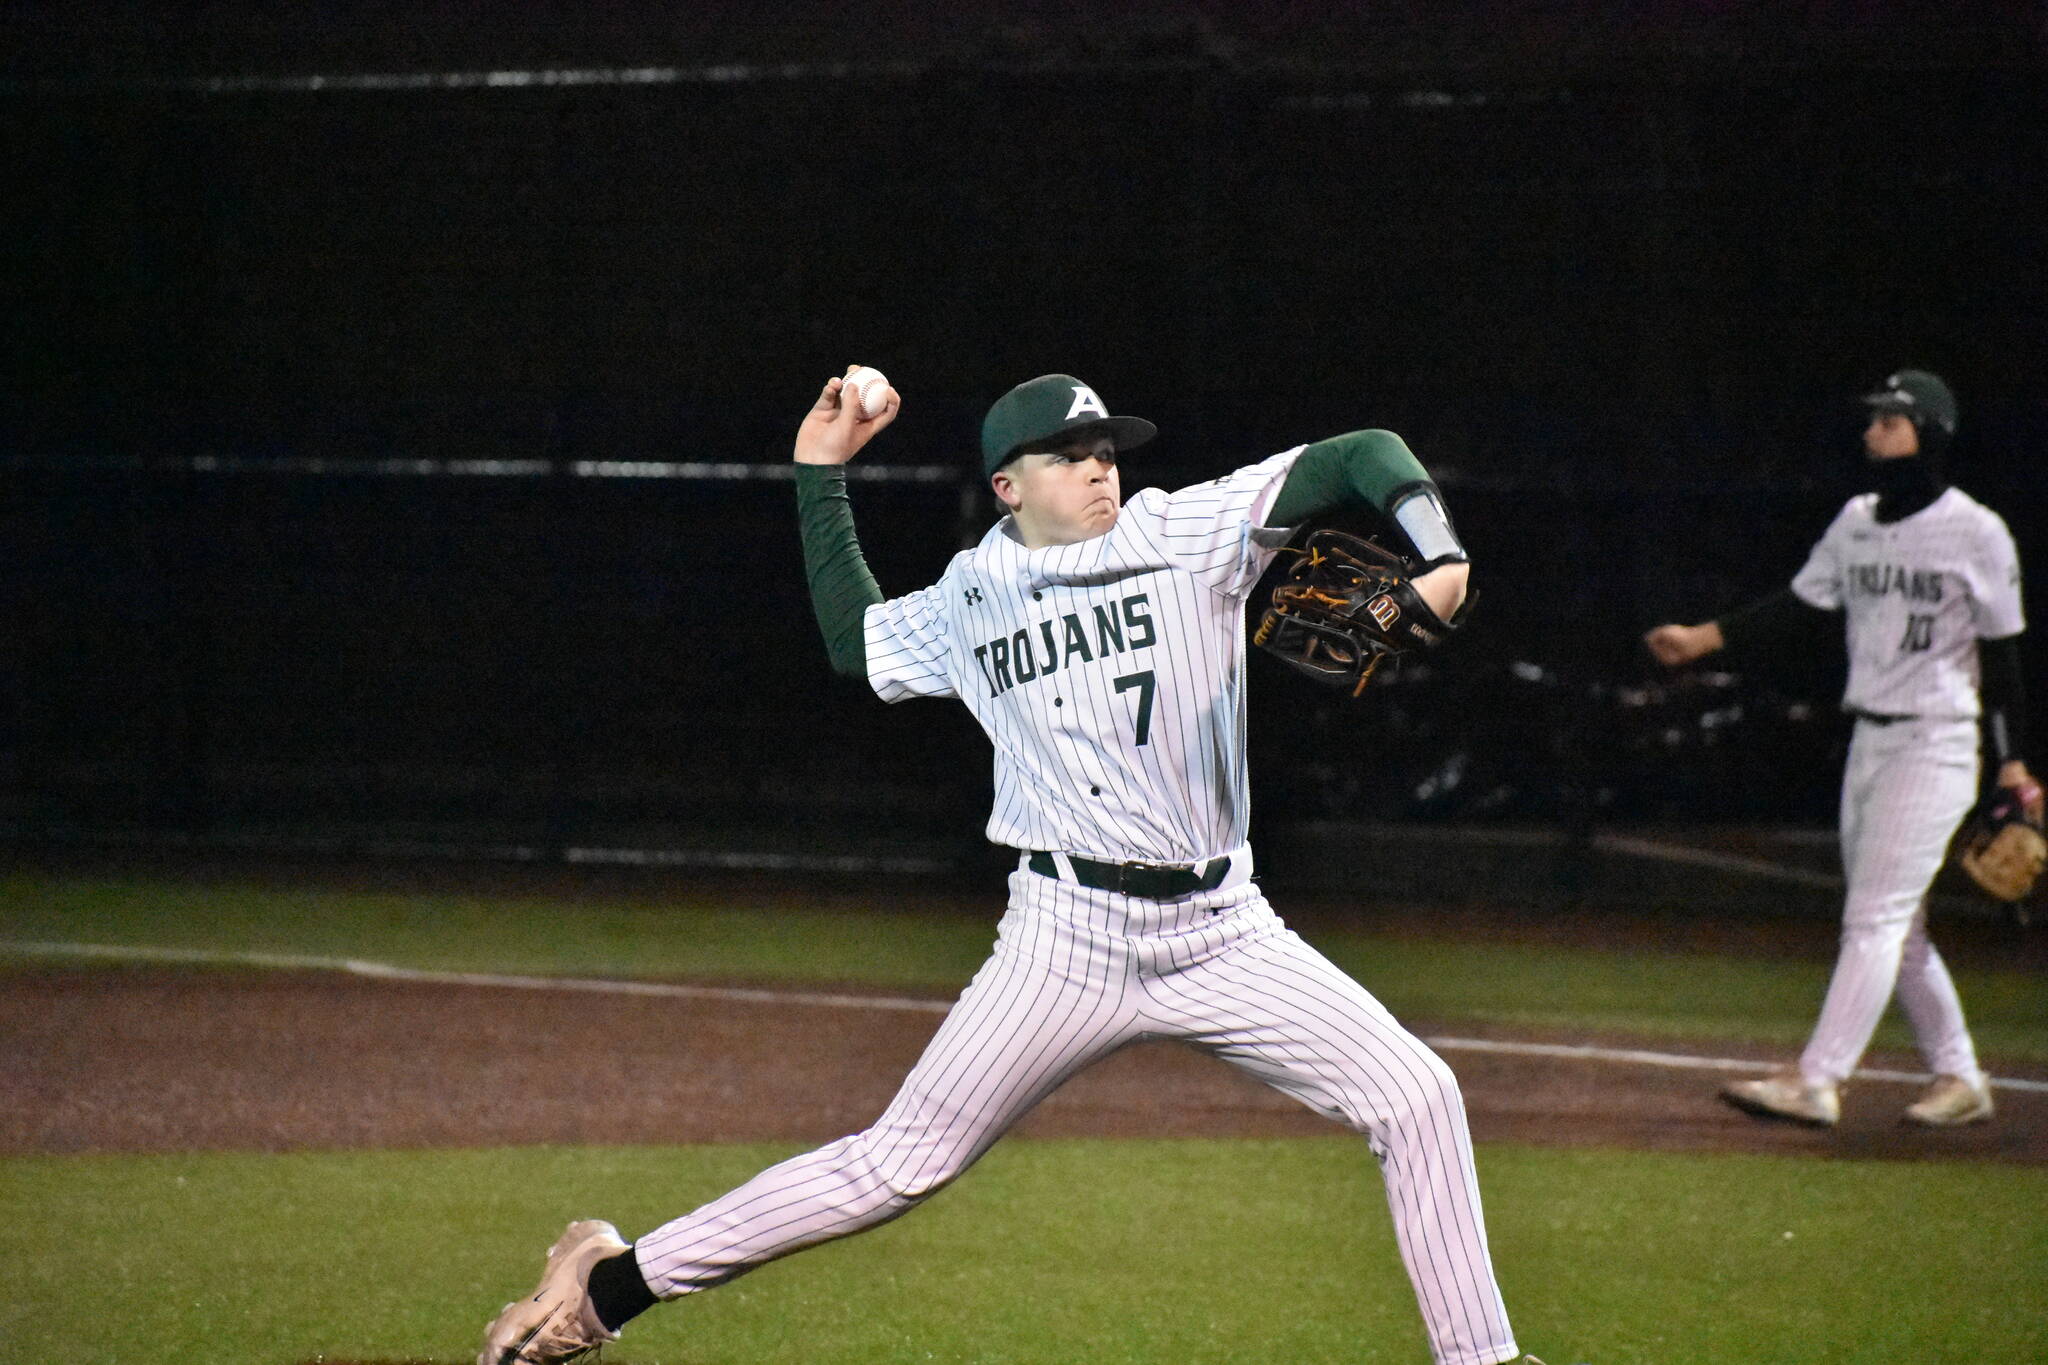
x=869, y=388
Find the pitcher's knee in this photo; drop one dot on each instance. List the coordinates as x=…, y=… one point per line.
x=898, y=1175
x=1427, y=1092
x=1416, y=1094
x=909, y=1185
x=1440, y=1092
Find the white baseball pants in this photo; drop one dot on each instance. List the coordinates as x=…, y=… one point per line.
x=1906, y=788
x=1075, y=975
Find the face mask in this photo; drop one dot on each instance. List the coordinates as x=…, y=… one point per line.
x=1905, y=485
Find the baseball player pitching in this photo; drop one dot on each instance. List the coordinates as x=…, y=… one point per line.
x=1929, y=582
x=1101, y=645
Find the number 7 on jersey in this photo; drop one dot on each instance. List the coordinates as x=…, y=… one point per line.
x=1143, y=682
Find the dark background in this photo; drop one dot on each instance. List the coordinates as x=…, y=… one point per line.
x=316, y=329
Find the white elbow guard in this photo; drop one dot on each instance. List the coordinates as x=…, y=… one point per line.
x=1418, y=509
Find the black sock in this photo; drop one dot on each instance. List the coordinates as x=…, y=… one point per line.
x=618, y=1291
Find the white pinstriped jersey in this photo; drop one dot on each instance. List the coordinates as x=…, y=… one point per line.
x=1108, y=674
x=1919, y=593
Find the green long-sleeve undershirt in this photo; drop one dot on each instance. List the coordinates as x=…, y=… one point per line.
x=1359, y=468
x=842, y=589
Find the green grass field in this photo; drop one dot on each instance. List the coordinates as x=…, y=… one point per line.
x=1049, y=1251
x=1137, y=1253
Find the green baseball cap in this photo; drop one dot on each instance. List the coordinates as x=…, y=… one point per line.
x=1921, y=396
x=1048, y=406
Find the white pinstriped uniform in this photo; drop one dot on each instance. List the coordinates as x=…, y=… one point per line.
x=1116, y=707
x=1919, y=593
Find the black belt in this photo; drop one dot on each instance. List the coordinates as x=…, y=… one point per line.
x=1879, y=717
x=1138, y=879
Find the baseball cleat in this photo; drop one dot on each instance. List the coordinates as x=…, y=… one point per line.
x=1786, y=1095
x=1951, y=1102
x=556, y=1323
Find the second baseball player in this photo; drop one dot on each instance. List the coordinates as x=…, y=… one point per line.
x=1929, y=582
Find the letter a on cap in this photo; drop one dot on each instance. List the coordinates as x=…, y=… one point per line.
x=1086, y=401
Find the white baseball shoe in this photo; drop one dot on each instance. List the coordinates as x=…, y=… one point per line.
x=1786, y=1095
x=1951, y=1102
x=556, y=1322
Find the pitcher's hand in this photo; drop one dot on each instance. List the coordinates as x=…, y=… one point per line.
x=833, y=431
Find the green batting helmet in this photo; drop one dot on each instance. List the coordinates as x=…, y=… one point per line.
x=1922, y=397
x=1053, y=405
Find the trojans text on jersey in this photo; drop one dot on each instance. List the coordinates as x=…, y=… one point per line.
x=1045, y=647
x=1879, y=580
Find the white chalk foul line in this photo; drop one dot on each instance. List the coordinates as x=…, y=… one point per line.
x=1684, y=1062
x=385, y=971
x=1662, y=851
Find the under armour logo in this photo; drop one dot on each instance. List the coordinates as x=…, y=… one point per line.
x=1086, y=401
x=973, y=596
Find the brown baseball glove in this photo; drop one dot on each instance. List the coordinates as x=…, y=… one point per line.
x=1346, y=606
x=2001, y=846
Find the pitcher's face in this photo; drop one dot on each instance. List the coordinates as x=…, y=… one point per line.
x=1063, y=496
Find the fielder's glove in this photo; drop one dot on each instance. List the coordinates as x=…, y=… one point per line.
x=1347, y=605
x=2001, y=846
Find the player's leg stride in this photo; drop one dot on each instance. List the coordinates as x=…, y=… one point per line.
x=557, y=1322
